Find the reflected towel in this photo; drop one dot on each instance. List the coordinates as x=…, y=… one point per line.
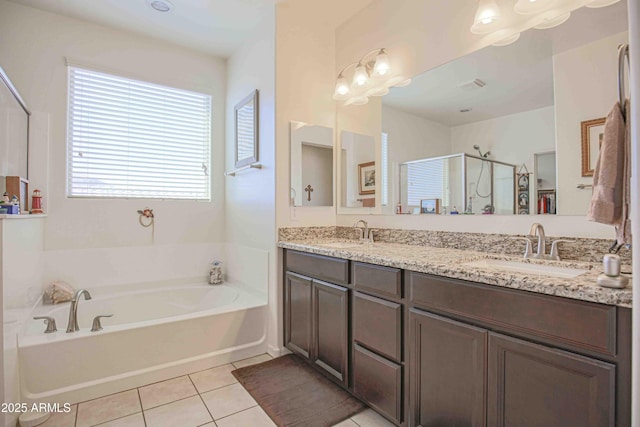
x=610, y=198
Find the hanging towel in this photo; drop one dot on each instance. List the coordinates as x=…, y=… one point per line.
x=611, y=194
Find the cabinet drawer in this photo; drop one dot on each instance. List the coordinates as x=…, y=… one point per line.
x=379, y=280
x=378, y=382
x=332, y=270
x=377, y=324
x=577, y=324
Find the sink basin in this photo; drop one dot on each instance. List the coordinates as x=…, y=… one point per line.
x=525, y=268
x=340, y=245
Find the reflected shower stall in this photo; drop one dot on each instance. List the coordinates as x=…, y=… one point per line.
x=461, y=183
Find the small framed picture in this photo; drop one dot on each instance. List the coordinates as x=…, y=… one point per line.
x=367, y=178
x=430, y=206
x=592, y=133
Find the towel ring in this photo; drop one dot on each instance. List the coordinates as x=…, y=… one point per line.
x=623, y=52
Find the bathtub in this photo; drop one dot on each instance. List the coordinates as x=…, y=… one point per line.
x=156, y=332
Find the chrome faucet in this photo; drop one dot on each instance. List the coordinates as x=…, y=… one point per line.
x=73, y=310
x=538, y=230
x=365, y=234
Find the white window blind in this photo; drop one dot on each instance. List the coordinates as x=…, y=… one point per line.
x=128, y=138
x=425, y=181
x=385, y=169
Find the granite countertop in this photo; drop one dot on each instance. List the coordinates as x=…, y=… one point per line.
x=450, y=263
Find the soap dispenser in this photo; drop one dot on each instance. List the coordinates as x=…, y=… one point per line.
x=611, y=277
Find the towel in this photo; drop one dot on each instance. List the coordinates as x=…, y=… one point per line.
x=610, y=199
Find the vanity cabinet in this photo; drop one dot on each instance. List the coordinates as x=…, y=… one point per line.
x=317, y=313
x=377, y=327
x=483, y=355
x=425, y=350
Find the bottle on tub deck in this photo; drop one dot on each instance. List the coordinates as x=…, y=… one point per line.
x=216, y=273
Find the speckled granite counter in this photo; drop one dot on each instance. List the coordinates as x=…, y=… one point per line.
x=450, y=263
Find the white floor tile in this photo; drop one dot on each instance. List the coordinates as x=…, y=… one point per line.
x=228, y=400
x=213, y=378
x=135, y=420
x=252, y=360
x=346, y=423
x=61, y=419
x=370, y=418
x=189, y=412
x=108, y=408
x=254, y=417
x=166, y=392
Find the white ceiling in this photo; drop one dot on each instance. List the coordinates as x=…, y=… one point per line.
x=216, y=27
x=519, y=77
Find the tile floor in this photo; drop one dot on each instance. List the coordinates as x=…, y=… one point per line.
x=209, y=398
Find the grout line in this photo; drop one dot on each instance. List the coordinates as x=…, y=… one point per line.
x=169, y=403
x=242, y=410
x=108, y=421
x=144, y=419
x=75, y=421
x=204, y=403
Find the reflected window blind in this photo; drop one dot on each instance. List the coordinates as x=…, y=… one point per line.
x=132, y=139
x=245, y=129
x=385, y=169
x=425, y=181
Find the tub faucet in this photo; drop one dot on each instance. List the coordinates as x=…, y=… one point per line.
x=73, y=310
x=538, y=230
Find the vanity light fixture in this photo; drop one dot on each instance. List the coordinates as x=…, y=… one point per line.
x=601, y=3
x=540, y=14
x=160, y=5
x=487, y=15
x=372, y=76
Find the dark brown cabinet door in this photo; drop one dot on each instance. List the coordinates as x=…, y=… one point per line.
x=297, y=312
x=447, y=372
x=534, y=385
x=330, y=329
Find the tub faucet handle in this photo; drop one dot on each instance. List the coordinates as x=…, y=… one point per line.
x=50, y=322
x=97, y=326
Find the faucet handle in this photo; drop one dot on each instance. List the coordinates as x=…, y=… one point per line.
x=97, y=326
x=554, y=248
x=50, y=322
x=528, y=249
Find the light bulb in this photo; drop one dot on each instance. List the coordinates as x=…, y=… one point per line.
x=360, y=76
x=487, y=13
x=601, y=3
x=553, y=21
x=342, y=89
x=528, y=7
x=381, y=66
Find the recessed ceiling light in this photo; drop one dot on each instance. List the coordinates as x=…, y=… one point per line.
x=160, y=5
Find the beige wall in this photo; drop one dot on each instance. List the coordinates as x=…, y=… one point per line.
x=33, y=50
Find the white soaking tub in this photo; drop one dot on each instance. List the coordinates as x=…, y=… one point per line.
x=156, y=332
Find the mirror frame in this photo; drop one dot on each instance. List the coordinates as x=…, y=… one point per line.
x=5, y=79
x=252, y=97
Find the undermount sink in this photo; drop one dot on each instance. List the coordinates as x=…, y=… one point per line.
x=525, y=268
x=340, y=245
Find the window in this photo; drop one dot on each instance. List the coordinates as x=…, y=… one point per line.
x=426, y=180
x=132, y=139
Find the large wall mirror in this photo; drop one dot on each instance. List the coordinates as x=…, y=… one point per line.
x=460, y=133
x=14, y=131
x=311, y=165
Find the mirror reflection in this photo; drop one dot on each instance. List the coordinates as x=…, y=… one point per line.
x=311, y=165
x=519, y=107
x=357, y=170
x=14, y=131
